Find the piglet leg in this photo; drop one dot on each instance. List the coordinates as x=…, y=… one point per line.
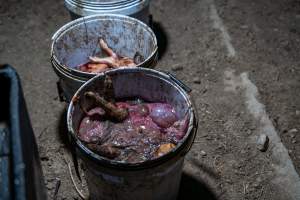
x=119, y=114
x=107, y=50
x=110, y=61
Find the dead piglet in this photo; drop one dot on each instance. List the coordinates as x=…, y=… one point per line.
x=118, y=114
x=113, y=60
x=91, y=67
x=108, y=61
x=103, y=45
x=125, y=62
x=97, y=65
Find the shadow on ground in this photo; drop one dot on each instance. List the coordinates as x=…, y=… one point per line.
x=64, y=138
x=190, y=188
x=63, y=129
x=162, y=39
x=193, y=189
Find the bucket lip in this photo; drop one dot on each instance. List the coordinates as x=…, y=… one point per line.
x=121, y=6
x=109, y=2
x=180, y=150
x=130, y=10
x=85, y=19
x=59, y=71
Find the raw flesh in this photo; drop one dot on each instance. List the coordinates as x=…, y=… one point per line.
x=150, y=130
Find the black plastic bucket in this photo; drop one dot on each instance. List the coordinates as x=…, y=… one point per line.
x=153, y=179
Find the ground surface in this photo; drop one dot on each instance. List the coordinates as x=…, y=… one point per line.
x=241, y=58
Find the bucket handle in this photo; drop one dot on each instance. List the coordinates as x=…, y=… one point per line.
x=188, y=90
x=179, y=82
x=74, y=156
x=191, y=142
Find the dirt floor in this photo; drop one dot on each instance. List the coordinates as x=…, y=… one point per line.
x=241, y=58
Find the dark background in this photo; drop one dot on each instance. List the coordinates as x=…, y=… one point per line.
x=224, y=163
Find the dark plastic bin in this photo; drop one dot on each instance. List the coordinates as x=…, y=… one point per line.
x=21, y=175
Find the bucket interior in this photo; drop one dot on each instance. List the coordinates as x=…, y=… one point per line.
x=147, y=84
x=106, y=1
x=76, y=41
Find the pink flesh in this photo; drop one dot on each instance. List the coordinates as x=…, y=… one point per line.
x=97, y=110
x=107, y=50
x=147, y=126
x=177, y=131
x=91, y=129
x=162, y=114
x=139, y=116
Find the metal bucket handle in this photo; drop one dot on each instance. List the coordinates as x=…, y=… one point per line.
x=195, y=126
x=178, y=82
x=74, y=156
x=191, y=142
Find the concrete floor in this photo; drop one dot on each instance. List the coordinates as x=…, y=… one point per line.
x=239, y=57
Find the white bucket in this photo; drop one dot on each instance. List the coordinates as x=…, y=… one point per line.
x=73, y=43
x=138, y=9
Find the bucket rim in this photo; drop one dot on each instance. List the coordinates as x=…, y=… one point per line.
x=110, y=5
x=124, y=8
x=179, y=151
x=60, y=72
x=65, y=28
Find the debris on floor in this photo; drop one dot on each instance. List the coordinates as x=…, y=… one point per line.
x=263, y=142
